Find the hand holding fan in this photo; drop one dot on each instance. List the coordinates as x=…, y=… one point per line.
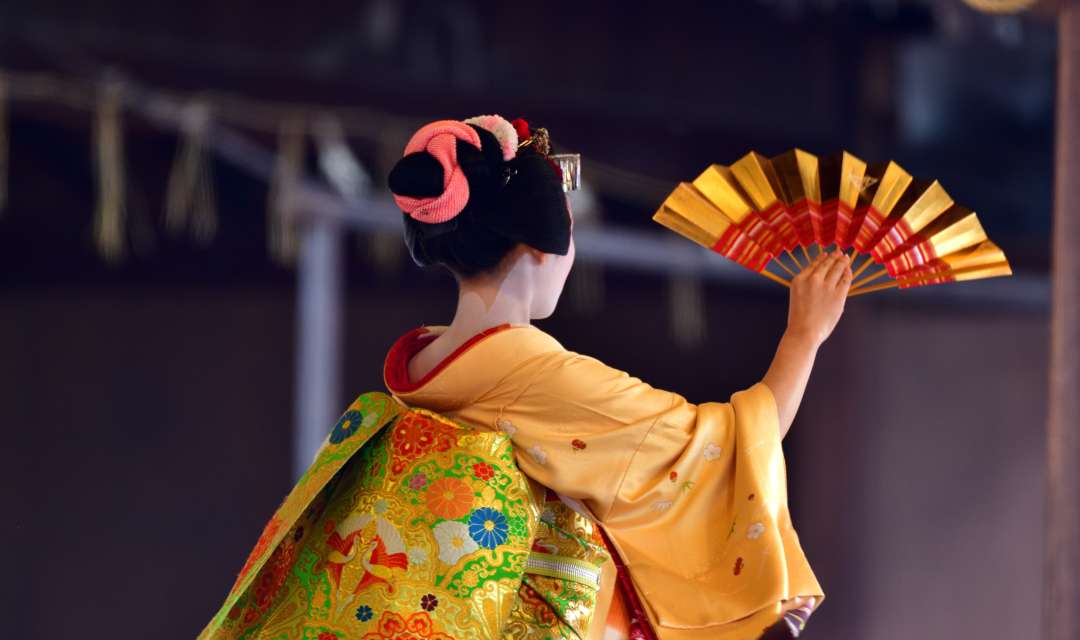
x=759, y=211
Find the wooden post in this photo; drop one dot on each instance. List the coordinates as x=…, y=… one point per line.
x=1061, y=591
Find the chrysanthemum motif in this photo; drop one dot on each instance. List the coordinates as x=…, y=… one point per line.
x=429, y=602
x=537, y=454
x=449, y=498
x=712, y=451
x=488, y=527
x=417, y=556
x=483, y=471
x=418, y=481
x=662, y=505
x=349, y=424
x=261, y=547
x=418, y=626
x=416, y=435
x=454, y=541
x=470, y=579
x=364, y=613
x=754, y=531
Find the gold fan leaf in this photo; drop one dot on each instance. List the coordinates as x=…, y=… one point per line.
x=689, y=213
x=800, y=189
x=718, y=185
x=920, y=205
x=756, y=176
x=760, y=208
x=956, y=229
x=841, y=177
x=881, y=193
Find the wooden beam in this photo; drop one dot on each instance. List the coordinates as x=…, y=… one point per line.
x=1061, y=591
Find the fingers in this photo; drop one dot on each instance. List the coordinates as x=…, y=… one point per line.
x=830, y=269
x=821, y=265
x=839, y=267
x=846, y=277
x=815, y=264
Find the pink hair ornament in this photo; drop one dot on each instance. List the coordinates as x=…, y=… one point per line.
x=503, y=131
x=440, y=140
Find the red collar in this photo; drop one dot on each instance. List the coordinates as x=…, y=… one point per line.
x=396, y=366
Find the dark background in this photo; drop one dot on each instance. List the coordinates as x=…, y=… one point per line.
x=149, y=403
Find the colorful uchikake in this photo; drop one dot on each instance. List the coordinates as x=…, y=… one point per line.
x=450, y=557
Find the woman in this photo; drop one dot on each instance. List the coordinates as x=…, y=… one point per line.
x=658, y=518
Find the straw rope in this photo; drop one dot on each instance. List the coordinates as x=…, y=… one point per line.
x=110, y=216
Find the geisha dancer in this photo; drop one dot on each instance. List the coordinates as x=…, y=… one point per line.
x=509, y=488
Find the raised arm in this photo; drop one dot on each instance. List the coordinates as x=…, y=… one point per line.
x=817, y=300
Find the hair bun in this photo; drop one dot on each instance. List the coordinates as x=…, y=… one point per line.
x=469, y=195
x=440, y=141
x=417, y=175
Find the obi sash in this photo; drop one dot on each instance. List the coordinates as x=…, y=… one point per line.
x=408, y=524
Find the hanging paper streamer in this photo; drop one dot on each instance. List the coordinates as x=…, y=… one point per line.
x=687, y=311
x=3, y=144
x=586, y=283
x=337, y=162
x=586, y=288
x=281, y=234
x=189, y=199
x=109, y=162
x=345, y=173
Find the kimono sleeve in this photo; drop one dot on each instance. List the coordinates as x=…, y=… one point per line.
x=694, y=497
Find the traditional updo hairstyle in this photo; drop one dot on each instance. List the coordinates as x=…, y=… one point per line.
x=469, y=194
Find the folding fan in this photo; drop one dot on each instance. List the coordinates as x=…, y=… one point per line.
x=759, y=211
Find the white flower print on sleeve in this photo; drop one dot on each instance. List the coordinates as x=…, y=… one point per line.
x=417, y=555
x=454, y=541
x=506, y=426
x=537, y=454
x=662, y=505
x=754, y=531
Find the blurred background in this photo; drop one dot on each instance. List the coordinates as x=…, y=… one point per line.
x=200, y=267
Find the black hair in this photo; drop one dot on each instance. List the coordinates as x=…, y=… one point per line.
x=519, y=200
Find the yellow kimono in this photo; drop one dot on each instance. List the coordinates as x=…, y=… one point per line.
x=520, y=491
x=693, y=497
